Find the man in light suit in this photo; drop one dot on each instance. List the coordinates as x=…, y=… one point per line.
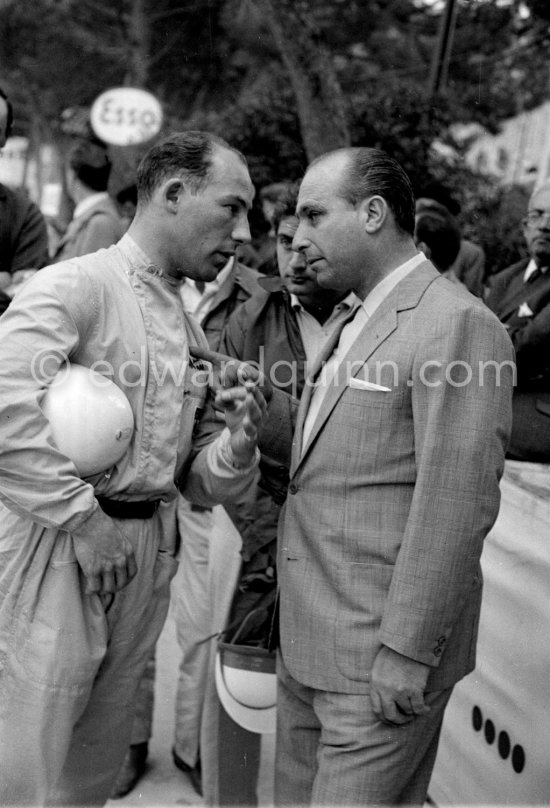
x=520, y=297
x=394, y=483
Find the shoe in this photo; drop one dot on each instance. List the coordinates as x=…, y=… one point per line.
x=131, y=771
x=193, y=772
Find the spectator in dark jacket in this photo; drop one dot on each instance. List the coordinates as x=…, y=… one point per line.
x=520, y=297
x=23, y=232
x=469, y=264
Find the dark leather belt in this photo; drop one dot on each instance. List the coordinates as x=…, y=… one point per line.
x=120, y=509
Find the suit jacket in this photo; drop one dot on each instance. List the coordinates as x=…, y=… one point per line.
x=23, y=232
x=469, y=266
x=241, y=284
x=100, y=226
x=524, y=308
x=391, y=498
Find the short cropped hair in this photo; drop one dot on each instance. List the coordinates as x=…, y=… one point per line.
x=286, y=206
x=373, y=172
x=442, y=235
x=273, y=191
x=9, y=116
x=91, y=164
x=187, y=154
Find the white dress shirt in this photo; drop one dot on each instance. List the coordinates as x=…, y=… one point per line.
x=313, y=333
x=198, y=304
x=349, y=334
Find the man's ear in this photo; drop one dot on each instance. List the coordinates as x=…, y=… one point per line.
x=374, y=210
x=172, y=191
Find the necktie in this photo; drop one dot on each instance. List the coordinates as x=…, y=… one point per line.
x=329, y=362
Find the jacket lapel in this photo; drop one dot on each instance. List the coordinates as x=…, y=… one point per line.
x=223, y=293
x=309, y=387
x=405, y=295
x=522, y=293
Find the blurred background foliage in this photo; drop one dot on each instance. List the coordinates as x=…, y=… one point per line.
x=284, y=80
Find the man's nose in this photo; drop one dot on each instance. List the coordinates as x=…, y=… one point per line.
x=299, y=242
x=241, y=231
x=297, y=260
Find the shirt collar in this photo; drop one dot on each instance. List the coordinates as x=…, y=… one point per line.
x=350, y=301
x=382, y=289
x=139, y=261
x=85, y=205
x=211, y=287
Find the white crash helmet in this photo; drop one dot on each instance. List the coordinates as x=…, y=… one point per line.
x=91, y=418
x=246, y=684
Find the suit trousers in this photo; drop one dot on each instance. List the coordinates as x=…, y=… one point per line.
x=332, y=750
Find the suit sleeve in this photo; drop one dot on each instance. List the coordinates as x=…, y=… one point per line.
x=461, y=429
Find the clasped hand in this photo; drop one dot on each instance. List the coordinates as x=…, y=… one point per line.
x=397, y=687
x=104, y=555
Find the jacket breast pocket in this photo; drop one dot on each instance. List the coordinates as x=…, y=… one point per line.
x=363, y=590
x=370, y=399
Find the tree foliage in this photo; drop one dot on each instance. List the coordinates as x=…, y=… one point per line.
x=286, y=79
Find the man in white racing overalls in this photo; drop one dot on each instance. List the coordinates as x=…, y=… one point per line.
x=85, y=564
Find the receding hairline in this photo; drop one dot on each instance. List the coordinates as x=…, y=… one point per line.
x=337, y=154
x=363, y=172
x=188, y=155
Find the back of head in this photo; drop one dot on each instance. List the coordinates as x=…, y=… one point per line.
x=441, y=236
x=273, y=192
x=372, y=172
x=425, y=204
x=185, y=154
x=91, y=165
x=439, y=193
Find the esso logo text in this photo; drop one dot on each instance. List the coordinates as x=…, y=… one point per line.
x=126, y=115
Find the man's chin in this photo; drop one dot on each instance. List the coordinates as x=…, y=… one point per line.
x=209, y=273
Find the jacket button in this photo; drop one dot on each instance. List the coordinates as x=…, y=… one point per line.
x=292, y=488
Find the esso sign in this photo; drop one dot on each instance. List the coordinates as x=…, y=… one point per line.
x=126, y=115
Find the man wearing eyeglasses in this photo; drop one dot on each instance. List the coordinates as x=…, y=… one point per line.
x=520, y=297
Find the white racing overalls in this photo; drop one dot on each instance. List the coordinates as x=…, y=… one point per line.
x=69, y=667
